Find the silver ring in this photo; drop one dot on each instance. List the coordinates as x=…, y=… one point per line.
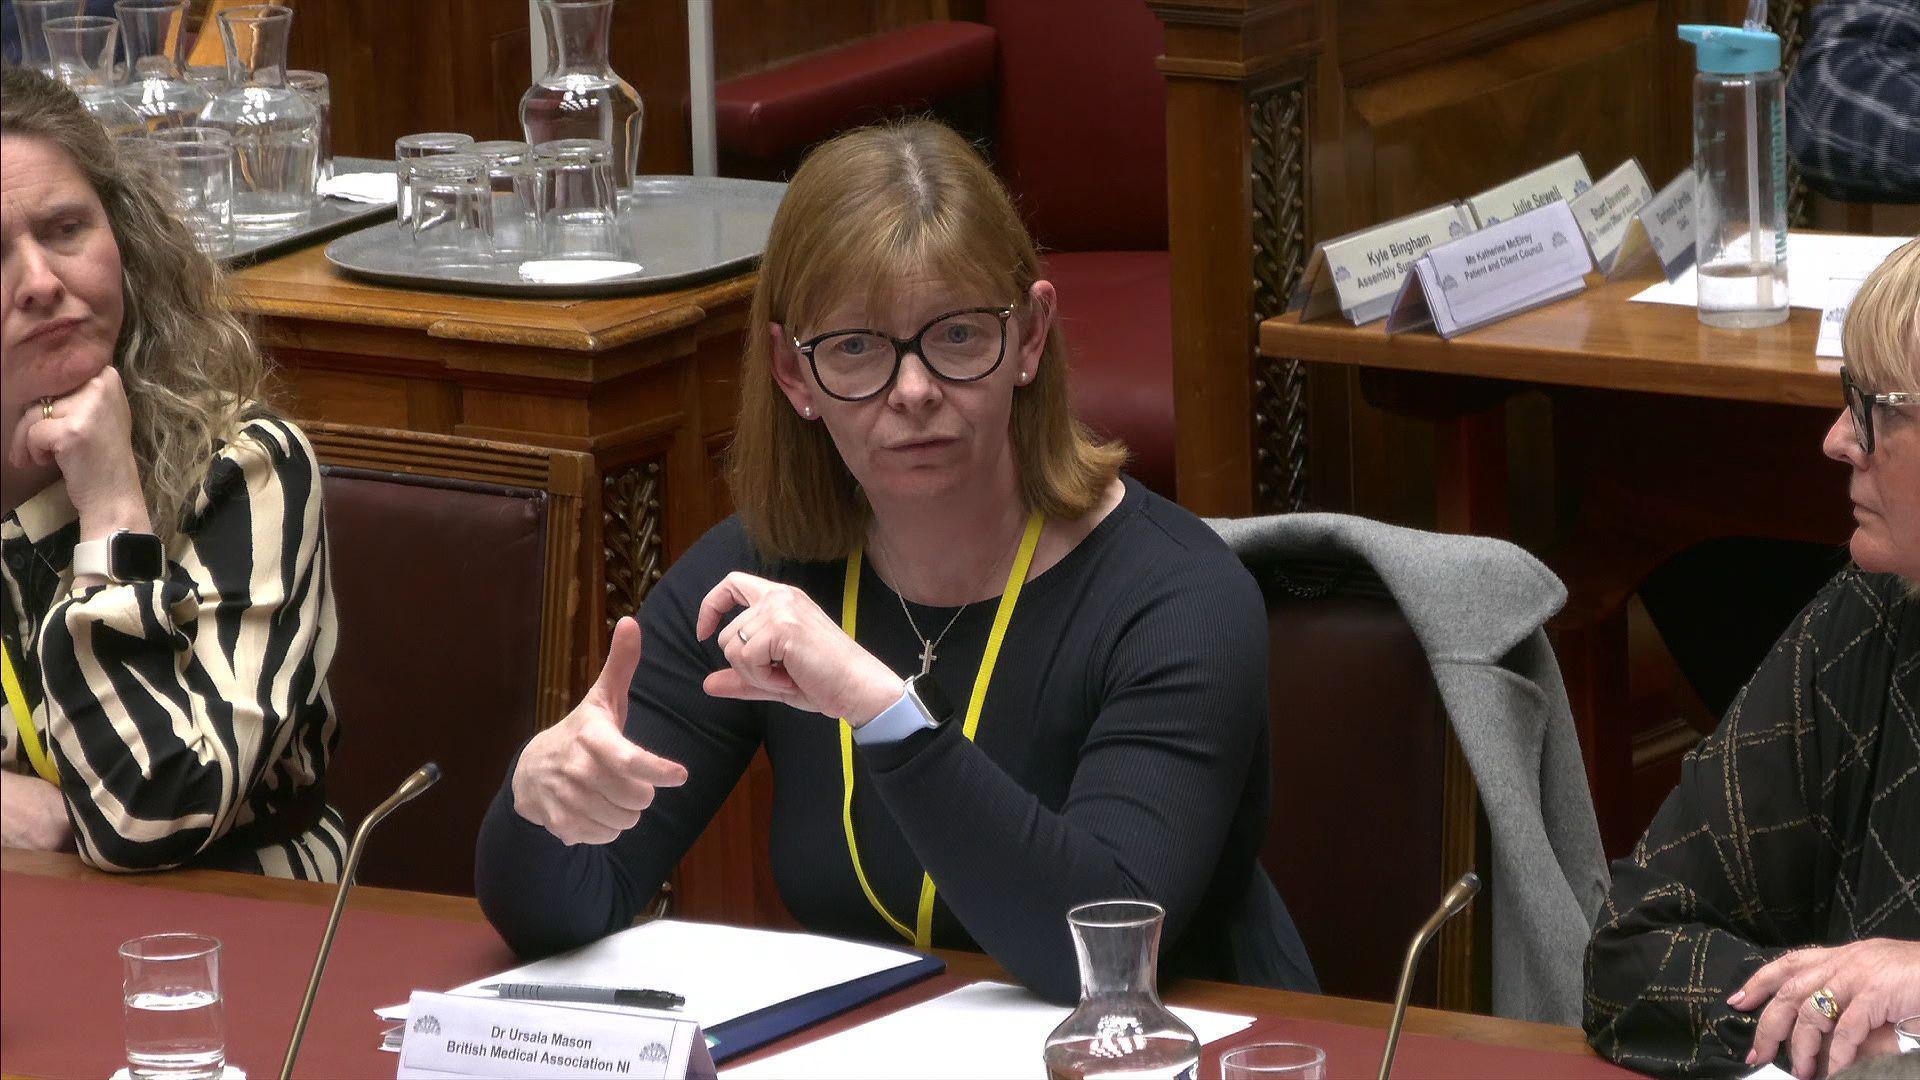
x=741, y=632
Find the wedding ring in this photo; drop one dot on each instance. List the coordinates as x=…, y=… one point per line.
x=1823, y=1003
x=742, y=633
x=46, y=408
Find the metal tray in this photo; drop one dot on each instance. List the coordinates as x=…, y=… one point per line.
x=678, y=230
x=329, y=218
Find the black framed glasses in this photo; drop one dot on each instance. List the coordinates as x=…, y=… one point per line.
x=959, y=346
x=1860, y=404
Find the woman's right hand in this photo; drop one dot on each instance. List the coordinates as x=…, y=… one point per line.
x=582, y=779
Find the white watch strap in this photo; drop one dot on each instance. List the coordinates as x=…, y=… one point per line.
x=90, y=558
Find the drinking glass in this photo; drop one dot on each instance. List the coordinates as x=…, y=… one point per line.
x=175, y=1020
x=578, y=207
x=1274, y=1061
x=516, y=227
x=31, y=18
x=318, y=91
x=198, y=165
x=452, y=209
x=82, y=50
x=1907, y=1033
x=410, y=148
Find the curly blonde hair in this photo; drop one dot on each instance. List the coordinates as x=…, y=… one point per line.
x=191, y=369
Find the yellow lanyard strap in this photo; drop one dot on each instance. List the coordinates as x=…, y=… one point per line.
x=922, y=934
x=23, y=718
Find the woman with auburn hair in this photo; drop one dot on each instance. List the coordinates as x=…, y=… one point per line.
x=1772, y=911
x=167, y=615
x=994, y=678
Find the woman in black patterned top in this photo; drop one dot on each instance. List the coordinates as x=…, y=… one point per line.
x=166, y=610
x=1772, y=911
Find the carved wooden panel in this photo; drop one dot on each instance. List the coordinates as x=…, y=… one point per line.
x=1789, y=19
x=1278, y=131
x=630, y=508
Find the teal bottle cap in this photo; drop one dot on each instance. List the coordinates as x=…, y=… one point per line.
x=1732, y=50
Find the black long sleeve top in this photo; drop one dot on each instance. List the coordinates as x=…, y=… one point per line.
x=1796, y=823
x=1121, y=752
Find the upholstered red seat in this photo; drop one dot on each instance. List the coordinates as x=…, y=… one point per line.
x=1117, y=310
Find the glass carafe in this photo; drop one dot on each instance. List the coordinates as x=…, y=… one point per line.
x=1120, y=1028
x=30, y=18
x=154, y=34
x=275, y=130
x=579, y=96
x=81, y=48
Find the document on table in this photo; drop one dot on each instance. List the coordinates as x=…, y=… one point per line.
x=724, y=972
x=978, y=1032
x=1813, y=259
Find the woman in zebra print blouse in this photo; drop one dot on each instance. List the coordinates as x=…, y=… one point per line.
x=167, y=611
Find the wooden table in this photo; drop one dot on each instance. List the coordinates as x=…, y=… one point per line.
x=648, y=385
x=1275, y=1009
x=1666, y=433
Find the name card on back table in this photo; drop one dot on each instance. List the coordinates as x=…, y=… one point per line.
x=456, y=1035
x=1607, y=208
x=1518, y=264
x=1662, y=230
x=1358, y=274
x=1561, y=181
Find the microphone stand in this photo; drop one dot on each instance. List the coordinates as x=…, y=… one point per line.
x=420, y=780
x=1453, y=903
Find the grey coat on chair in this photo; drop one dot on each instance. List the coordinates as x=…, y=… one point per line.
x=1479, y=608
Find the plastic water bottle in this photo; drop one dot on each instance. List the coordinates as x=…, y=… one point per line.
x=1740, y=173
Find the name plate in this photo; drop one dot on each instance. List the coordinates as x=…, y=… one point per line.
x=1560, y=181
x=1833, y=318
x=1661, y=230
x=1607, y=208
x=452, y=1035
x=1518, y=264
x=1358, y=274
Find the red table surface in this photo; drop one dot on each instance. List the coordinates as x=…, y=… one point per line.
x=60, y=987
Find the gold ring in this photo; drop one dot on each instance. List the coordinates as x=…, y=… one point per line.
x=1823, y=1002
x=46, y=408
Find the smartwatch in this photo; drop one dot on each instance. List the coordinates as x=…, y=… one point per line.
x=921, y=708
x=122, y=558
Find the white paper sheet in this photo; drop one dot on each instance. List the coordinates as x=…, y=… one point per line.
x=364, y=187
x=723, y=971
x=978, y=1032
x=1813, y=259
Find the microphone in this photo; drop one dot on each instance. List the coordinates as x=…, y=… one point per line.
x=420, y=780
x=1458, y=897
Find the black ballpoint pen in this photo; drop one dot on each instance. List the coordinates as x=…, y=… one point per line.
x=587, y=995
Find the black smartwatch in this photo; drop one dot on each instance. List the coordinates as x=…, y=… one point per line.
x=925, y=693
x=122, y=558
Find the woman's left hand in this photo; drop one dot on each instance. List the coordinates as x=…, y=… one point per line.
x=90, y=438
x=1875, y=983
x=784, y=648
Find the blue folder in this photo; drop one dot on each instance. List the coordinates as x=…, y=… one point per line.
x=753, y=1030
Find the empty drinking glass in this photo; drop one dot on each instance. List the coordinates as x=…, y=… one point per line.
x=1274, y=1061
x=578, y=207
x=516, y=226
x=81, y=47
x=31, y=18
x=198, y=165
x=452, y=209
x=410, y=148
x=319, y=94
x=1907, y=1034
x=153, y=32
x=175, y=1020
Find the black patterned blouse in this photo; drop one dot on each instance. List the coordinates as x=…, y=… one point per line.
x=1797, y=823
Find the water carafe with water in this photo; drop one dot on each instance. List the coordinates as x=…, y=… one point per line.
x=579, y=96
x=1740, y=175
x=1121, y=1029
x=275, y=130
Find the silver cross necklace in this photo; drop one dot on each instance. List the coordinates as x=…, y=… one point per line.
x=927, y=648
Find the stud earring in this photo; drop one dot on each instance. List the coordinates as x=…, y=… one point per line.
x=1023, y=377
x=806, y=411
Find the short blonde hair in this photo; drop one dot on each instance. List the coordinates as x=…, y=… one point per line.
x=1881, y=339
x=863, y=207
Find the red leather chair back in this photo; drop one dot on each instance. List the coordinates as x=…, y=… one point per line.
x=1082, y=130
x=1359, y=744
x=439, y=585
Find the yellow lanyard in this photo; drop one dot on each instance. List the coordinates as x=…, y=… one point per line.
x=23, y=717
x=922, y=934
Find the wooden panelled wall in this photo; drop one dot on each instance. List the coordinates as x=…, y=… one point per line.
x=403, y=66
x=1292, y=121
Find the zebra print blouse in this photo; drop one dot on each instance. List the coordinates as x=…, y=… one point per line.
x=188, y=718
